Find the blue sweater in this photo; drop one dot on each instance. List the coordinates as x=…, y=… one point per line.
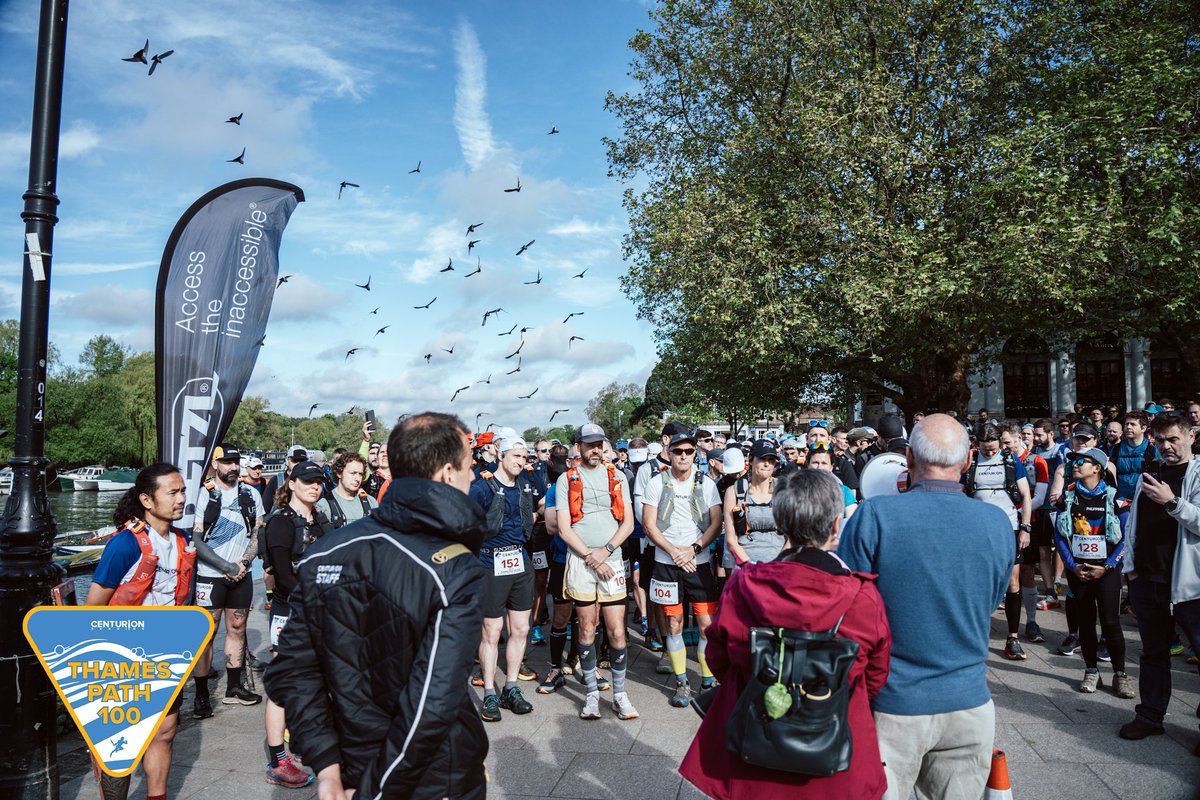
x=943, y=561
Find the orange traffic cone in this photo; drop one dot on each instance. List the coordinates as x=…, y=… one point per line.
x=998, y=785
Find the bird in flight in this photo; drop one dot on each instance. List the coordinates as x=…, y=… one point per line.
x=477, y=416
x=376, y=311
x=526, y=246
x=235, y=120
x=478, y=269
x=382, y=330
x=572, y=314
x=488, y=382
x=343, y=185
x=536, y=282
x=557, y=412
x=240, y=158
x=526, y=330
x=456, y=391
x=427, y=305
x=553, y=130
x=516, y=188
x=416, y=169
x=312, y=408
x=488, y=314
x=471, y=228
x=140, y=55
x=515, y=352
x=508, y=332
x=366, y=285
x=574, y=339
x=515, y=370
x=351, y=352
x=427, y=357
x=471, y=245
x=261, y=342
x=158, y=59
x=527, y=396
x=580, y=275
x=451, y=350
x=283, y=280
x=449, y=266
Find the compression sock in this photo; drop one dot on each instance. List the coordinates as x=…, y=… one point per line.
x=587, y=662
x=705, y=673
x=202, y=685
x=1072, y=614
x=235, y=679
x=1012, y=611
x=276, y=753
x=677, y=655
x=558, y=643
x=1030, y=598
x=618, y=657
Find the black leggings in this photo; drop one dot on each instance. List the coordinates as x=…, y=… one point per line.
x=1103, y=594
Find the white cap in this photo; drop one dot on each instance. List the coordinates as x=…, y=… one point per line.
x=734, y=461
x=507, y=433
x=511, y=444
x=654, y=448
x=639, y=454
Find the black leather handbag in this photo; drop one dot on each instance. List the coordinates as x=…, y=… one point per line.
x=793, y=715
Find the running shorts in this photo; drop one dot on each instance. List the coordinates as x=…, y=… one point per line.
x=585, y=587
x=216, y=593
x=508, y=593
x=672, y=585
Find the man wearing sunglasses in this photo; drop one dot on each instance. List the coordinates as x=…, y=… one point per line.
x=820, y=435
x=681, y=514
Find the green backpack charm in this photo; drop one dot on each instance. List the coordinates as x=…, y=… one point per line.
x=778, y=700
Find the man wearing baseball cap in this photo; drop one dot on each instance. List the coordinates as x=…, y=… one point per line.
x=594, y=518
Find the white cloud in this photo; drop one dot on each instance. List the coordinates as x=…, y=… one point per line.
x=104, y=304
x=303, y=300
x=78, y=139
x=577, y=227
x=470, y=116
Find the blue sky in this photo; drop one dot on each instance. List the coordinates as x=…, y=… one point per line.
x=361, y=92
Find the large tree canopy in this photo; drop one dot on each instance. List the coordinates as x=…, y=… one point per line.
x=883, y=192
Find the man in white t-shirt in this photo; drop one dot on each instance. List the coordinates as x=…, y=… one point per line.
x=681, y=514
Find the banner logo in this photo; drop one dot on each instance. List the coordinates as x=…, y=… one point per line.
x=118, y=670
x=198, y=409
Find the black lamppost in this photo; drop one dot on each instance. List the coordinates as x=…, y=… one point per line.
x=28, y=757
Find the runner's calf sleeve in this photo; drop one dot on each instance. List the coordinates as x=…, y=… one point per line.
x=618, y=656
x=677, y=655
x=558, y=643
x=587, y=662
x=1030, y=599
x=701, y=647
x=1012, y=611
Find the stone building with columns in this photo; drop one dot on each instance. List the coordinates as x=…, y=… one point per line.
x=1034, y=379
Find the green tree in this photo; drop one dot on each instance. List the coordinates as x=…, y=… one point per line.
x=613, y=406
x=104, y=355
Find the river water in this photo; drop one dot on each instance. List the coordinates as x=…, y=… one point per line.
x=83, y=511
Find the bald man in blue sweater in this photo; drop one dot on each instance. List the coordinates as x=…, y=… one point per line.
x=934, y=717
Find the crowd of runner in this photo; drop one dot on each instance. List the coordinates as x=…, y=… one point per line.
x=592, y=540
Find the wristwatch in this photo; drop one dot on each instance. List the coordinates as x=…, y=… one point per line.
x=1171, y=505
x=696, y=548
x=609, y=547
x=1025, y=526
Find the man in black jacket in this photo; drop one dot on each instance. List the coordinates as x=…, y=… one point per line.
x=372, y=666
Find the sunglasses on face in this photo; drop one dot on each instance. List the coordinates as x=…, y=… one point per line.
x=818, y=423
x=683, y=451
x=543, y=450
x=1079, y=462
x=707, y=439
x=819, y=446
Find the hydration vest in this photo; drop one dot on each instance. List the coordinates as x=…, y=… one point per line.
x=667, y=500
x=133, y=592
x=495, y=511
x=213, y=510
x=1010, y=477
x=337, y=517
x=304, y=533
x=575, y=494
x=1112, y=521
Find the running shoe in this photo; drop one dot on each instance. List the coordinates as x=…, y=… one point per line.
x=1191, y=656
x=536, y=636
x=525, y=673
x=1013, y=651
x=203, y=707
x=477, y=679
x=1091, y=680
x=240, y=695
x=491, y=709
x=1048, y=602
x=514, y=701
x=663, y=667
x=683, y=694
x=1177, y=648
x=602, y=683
x=653, y=643
x=1123, y=686
x=553, y=681
x=571, y=666
x=1102, y=652
x=623, y=708
x=1033, y=633
x=1069, y=646
x=285, y=773
x=591, y=706
x=1139, y=729
x=709, y=683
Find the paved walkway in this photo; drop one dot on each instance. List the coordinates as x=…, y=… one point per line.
x=1061, y=745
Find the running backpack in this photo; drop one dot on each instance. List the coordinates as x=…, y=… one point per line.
x=213, y=509
x=793, y=715
x=337, y=517
x=1010, y=477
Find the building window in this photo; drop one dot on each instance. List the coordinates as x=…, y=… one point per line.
x=1100, y=373
x=1026, y=362
x=1166, y=374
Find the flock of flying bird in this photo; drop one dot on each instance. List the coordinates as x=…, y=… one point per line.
x=141, y=56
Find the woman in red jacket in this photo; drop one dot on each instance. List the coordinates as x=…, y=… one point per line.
x=806, y=588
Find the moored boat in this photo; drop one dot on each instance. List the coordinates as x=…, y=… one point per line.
x=66, y=480
x=117, y=479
